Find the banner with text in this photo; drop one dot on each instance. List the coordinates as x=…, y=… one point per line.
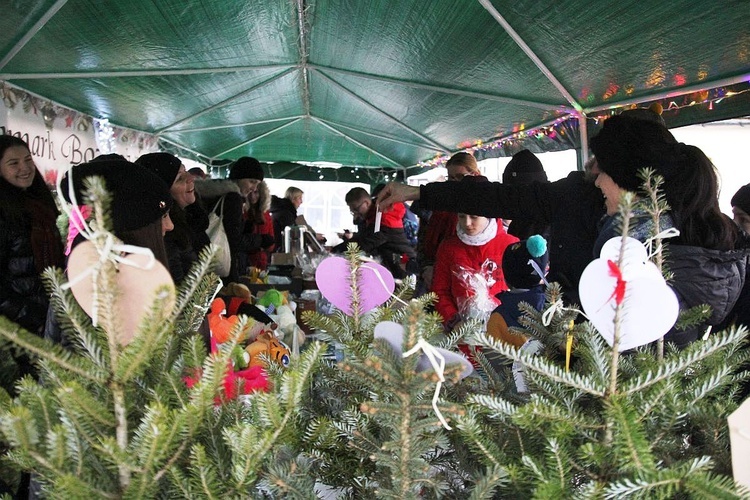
x=59, y=137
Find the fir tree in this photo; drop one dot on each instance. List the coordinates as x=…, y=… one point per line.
x=109, y=421
x=648, y=424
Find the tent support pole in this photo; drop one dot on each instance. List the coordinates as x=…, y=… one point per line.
x=672, y=93
x=355, y=141
x=32, y=32
x=583, y=130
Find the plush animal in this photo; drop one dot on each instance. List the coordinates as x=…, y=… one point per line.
x=273, y=297
x=221, y=325
x=267, y=343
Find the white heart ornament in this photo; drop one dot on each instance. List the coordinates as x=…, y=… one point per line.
x=393, y=333
x=137, y=284
x=649, y=307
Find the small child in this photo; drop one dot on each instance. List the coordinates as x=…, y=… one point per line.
x=524, y=267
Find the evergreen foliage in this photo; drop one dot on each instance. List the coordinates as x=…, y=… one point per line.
x=108, y=421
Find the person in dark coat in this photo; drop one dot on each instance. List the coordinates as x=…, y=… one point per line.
x=29, y=243
x=258, y=221
x=706, y=265
x=29, y=239
x=390, y=242
x=572, y=206
x=525, y=168
x=244, y=176
x=284, y=214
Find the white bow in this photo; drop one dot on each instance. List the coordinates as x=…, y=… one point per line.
x=438, y=364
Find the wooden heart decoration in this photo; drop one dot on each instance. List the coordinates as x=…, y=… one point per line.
x=137, y=287
x=374, y=281
x=649, y=306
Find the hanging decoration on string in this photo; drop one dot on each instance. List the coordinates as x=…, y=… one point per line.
x=649, y=308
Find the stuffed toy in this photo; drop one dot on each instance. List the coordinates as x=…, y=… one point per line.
x=221, y=325
x=272, y=347
x=274, y=298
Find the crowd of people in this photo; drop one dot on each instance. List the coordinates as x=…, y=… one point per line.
x=482, y=247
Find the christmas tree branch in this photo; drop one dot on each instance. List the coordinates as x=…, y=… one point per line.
x=121, y=431
x=690, y=356
x=43, y=349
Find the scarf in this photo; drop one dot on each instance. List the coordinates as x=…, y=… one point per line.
x=484, y=237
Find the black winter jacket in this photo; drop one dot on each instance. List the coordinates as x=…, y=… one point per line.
x=571, y=206
x=703, y=276
x=23, y=299
x=284, y=214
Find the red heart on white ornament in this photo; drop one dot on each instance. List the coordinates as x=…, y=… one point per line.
x=136, y=283
x=649, y=307
x=374, y=281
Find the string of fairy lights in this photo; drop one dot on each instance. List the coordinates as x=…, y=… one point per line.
x=709, y=97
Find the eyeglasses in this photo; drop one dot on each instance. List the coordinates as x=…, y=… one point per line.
x=355, y=211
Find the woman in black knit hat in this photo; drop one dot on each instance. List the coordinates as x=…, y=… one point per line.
x=188, y=236
x=706, y=267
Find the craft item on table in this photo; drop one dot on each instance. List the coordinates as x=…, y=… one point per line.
x=235, y=383
x=272, y=297
x=141, y=281
x=649, y=307
x=480, y=304
x=240, y=379
x=257, y=276
x=221, y=325
x=431, y=357
x=234, y=295
x=374, y=282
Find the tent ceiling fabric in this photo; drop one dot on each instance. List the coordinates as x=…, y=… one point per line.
x=382, y=83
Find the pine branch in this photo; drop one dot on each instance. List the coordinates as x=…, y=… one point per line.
x=690, y=356
x=631, y=446
x=540, y=365
x=43, y=349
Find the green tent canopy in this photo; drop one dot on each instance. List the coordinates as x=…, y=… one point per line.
x=386, y=85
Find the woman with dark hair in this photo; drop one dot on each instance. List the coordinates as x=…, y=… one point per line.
x=190, y=221
x=29, y=239
x=29, y=243
x=258, y=221
x=706, y=267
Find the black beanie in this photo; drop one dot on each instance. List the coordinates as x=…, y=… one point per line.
x=524, y=168
x=109, y=157
x=246, y=168
x=517, y=271
x=741, y=198
x=164, y=165
x=625, y=145
x=139, y=196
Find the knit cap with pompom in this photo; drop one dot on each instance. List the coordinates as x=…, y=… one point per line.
x=518, y=271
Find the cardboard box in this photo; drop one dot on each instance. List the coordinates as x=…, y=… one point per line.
x=282, y=259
